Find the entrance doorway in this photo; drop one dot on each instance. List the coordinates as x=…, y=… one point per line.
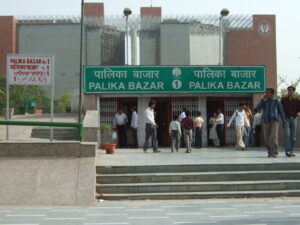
x=212, y=105
x=126, y=104
x=163, y=117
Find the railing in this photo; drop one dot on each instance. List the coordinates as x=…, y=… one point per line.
x=45, y=124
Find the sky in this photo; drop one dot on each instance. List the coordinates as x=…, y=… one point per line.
x=287, y=18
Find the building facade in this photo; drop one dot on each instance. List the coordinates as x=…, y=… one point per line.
x=246, y=40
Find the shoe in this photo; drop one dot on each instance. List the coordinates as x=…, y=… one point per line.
x=290, y=154
x=145, y=150
x=243, y=149
x=187, y=151
x=156, y=151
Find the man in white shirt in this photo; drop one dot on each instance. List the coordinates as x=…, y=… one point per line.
x=175, y=133
x=134, y=126
x=220, y=127
x=182, y=115
x=240, y=118
x=120, y=120
x=150, y=128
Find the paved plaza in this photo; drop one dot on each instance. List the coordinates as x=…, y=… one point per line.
x=278, y=211
x=23, y=133
x=209, y=155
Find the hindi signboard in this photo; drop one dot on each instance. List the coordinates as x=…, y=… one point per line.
x=173, y=79
x=25, y=69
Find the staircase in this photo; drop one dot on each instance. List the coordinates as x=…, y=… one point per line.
x=198, y=181
x=62, y=134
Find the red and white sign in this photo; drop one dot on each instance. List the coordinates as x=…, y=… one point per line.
x=29, y=69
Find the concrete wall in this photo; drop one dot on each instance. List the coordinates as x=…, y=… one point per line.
x=61, y=40
x=175, y=44
x=46, y=174
x=148, y=49
x=94, y=9
x=255, y=47
x=91, y=126
x=8, y=40
x=151, y=11
x=204, y=49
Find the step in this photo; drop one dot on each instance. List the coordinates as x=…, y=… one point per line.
x=56, y=130
x=58, y=133
x=198, y=176
x=197, y=168
x=200, y=195
x=198, y=186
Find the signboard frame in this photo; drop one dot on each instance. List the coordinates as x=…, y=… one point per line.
x=51, y=83
x=262, y=67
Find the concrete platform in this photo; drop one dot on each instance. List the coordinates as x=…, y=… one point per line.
x=228, y=155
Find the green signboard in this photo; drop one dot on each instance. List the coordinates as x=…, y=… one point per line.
x=173, y=79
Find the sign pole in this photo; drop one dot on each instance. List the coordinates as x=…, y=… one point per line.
x=80, y=64
x=98, y=117
x=7, y=102
x=52, y=98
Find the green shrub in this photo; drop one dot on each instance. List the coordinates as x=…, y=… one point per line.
x=63, y=104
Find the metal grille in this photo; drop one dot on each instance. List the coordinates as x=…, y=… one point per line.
x=190, y=103
x=230, y=104
x=108, y=108
x=145, y=23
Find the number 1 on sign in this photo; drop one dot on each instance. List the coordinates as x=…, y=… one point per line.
x=176, y=84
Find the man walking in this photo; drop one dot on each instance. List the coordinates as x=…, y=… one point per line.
x=240, y=118
x=272, y=115
x=188, y=126
x=220, y=127
x=120, y=120
x=291, y=106
x=134, y=126
x=151, y=127
x=199, y=123
x=175, y=133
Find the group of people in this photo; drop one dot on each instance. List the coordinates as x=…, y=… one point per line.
x=119, y=123
x=246, y=126
x=249, y=124
x=184, y=126
x=268, y=115
x=274, y=112
x=181, y=129
x=181, y=126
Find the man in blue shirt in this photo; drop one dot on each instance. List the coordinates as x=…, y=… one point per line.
x=273, y=114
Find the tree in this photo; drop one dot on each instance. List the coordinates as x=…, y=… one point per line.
x=18, y=94
x=282, y=80
x=63, y=104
